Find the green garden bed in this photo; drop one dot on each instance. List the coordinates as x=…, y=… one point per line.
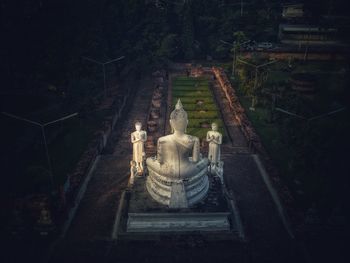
x=198, y=101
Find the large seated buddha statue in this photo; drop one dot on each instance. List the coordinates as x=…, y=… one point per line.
x=178, y=174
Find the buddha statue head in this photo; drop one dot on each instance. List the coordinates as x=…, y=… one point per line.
x=214, y=126
x=178, y=118
x=138, y=126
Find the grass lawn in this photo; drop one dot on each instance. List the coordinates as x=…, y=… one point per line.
x=198, y=101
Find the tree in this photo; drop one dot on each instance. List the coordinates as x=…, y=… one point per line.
x=188, y=32
x=239, y=37
x=169, y=47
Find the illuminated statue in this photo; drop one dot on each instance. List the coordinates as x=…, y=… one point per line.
x=215, y=140
x=138, y=139
x=178, y=175
x=214, y=152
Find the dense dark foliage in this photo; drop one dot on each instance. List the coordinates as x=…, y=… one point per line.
x=43, y=40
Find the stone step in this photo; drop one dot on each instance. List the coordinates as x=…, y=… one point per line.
x=178, y=222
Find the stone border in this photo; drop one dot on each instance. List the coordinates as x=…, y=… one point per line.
x=209, y=72
x=230, y=198
x=115, y=230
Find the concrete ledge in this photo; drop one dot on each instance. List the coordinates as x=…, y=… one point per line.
x=177, y=222
x=117, y=217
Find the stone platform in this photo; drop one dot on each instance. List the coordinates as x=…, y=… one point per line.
x=142, y=217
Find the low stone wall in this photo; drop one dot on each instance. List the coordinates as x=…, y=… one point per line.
x=253, y=139
x=155, y=118
x=256, y=145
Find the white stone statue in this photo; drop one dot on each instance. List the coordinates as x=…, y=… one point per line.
x=178, y=175
x=133, y=172
x=215, y=140
x=138, y=138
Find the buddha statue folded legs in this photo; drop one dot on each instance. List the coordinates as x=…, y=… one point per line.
x=178, y=174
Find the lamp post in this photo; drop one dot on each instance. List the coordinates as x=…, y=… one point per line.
x=252, y=107
x=307, y=44
x=234, y=45
x=42, y=127
x=103, y=69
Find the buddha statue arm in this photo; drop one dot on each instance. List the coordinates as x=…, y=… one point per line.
x=218, y=139
x=209, y=138
x=133, y=139
x=159, y=152
x=136, y=137
x=195, y=152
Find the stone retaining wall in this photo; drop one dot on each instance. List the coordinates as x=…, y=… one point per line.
x=157, y=111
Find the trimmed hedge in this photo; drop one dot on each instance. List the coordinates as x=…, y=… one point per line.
x=194, y=107
x=203, y=115
x=194, y=100
x=199, y=93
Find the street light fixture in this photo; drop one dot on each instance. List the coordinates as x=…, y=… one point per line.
x=104, y=70
x=252, y=107
x=42, y=126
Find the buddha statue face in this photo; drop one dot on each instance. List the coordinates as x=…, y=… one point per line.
x=214, y=126
x=178, y=118
x=138, y=126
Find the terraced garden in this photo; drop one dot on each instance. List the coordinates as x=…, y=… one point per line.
x=198, y=101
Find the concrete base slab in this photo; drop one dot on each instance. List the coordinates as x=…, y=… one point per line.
x=144, y=219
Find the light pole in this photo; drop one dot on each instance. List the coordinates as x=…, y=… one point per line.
x=307, y=44
x=42, y=127
x=252, y=107
x=103, y=68
x=234, y=45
